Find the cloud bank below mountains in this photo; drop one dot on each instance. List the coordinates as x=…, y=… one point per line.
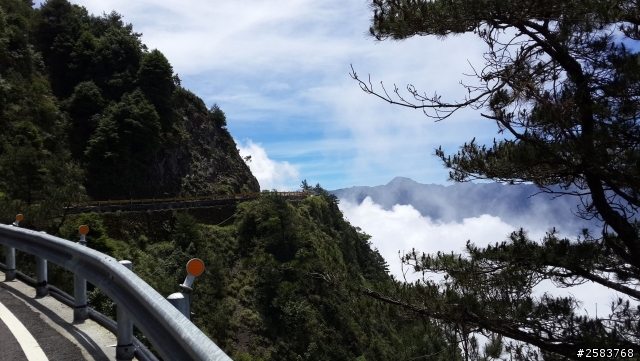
x=517, y=205
x=404, y=215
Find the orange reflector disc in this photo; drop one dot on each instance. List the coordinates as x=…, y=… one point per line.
x=195, y=267
x=19, y=217
x=83, y=229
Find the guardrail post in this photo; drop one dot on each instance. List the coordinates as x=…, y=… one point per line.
x=10, y=273
x=42, y=289
x=181, y=300
x=10, y=255
x=124, y=348
x=80, y=309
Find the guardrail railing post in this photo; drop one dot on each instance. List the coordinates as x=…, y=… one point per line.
x=124, y=348
x=10, y=273
x=181, y=300
x=10, y=255
x=42, y=289
x=80, y=309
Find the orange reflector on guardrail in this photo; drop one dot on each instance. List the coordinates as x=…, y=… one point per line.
x=195, y=267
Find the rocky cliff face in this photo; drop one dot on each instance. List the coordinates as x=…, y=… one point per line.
x=203, y=158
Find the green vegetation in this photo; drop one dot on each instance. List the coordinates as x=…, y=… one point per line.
x=87, y=112
x=267, y=291
x=560, y=78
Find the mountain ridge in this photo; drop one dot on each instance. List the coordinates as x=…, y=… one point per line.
x=515, y=204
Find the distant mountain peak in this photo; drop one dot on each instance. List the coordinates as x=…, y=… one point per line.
x=402, y=181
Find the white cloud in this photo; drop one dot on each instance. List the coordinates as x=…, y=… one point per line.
x=403, y=228
x=247, y=36
x=270, y=174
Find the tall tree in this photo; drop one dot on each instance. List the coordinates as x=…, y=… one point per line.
x=118, y=55
x=216, y=115
x=84, y=107
x=561, y=79
x=58, y=29
x=119, y=151
x=155, y=79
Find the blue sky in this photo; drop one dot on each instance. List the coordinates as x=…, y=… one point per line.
x=280, y=72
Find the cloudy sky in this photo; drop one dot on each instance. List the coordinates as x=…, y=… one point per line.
x=280, y=72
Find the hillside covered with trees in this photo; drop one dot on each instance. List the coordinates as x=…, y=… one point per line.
x=88, y=112
x=267, y=291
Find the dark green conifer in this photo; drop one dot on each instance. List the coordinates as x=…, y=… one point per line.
x=155, y=79
x=127, y=138
x=84, y=107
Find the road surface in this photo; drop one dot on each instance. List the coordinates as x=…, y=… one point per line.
x=42, y=329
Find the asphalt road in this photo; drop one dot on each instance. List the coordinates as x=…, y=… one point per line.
x=54, y=345
x=9, y=347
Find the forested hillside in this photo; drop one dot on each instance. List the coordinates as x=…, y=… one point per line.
x=87, y=111
x=267, y=291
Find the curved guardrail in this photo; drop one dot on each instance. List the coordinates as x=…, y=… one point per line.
x=168, y=330
x=141, y=352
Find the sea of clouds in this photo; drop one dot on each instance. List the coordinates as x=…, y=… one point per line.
x=405, y=215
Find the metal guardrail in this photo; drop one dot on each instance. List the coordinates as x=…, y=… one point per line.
x=183, y=199
x=168, y=330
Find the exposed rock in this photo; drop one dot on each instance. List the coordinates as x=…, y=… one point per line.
x=204, y=158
